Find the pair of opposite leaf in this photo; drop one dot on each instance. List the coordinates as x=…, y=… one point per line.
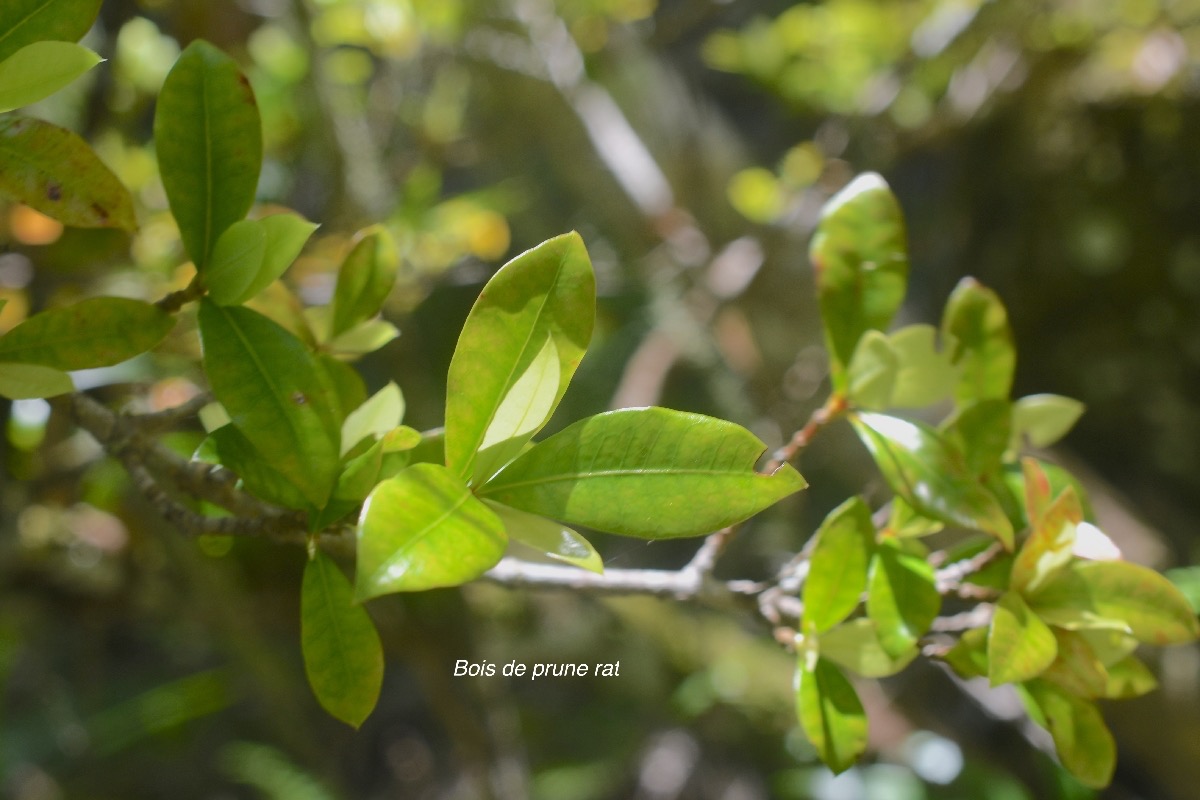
x=649, y=472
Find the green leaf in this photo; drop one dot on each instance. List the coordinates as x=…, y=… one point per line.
x=40, y=69
x=97, y=332
x=366, y=337
x=1050, y=545
x=25, y=381
x=208, y=137
x=53, y=170
x=270, y=385
x=1020, y=646
x=925, y=374
x=360, y=475
x=236, y=259
x=548, y=537
x=1077, y=668
x=983, y=351
x=830, y=713
x=23, y=22
x=252, y=253
x=259, y=476
x=378, y=415
x=855, y=645
x=837, y=575
x=872, y=372
x=905, y=522
x=860, y=254
x=980, y=432
x=286, y=236
x=1084, y=744
x=929, y=475
x=1129, y=678
x=364, y=279
x=423, y=529
x=1097, y=594
x=968, y=657
x=519, y=347
x=902, y=598
x=342, y=384
x=646, y=472
x=343, y=656
x=1043, y=419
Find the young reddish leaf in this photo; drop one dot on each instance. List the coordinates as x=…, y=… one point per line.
x=518, y=349
x=929, y=475
x=860, y=254
x=423, y=529
x=25, y=381
x=97, y=332
x=343, y=656
x=53, y=170
x=274, y=392
x=1050, y=545
x=1020, y=646
x=547, y=537
x=902, y=598
x=984, y=351
x=1084, y=744
x=1037, y=490
x=40, y=69
x=830, y=713
x=837, y=575
x=646, y=472
x=208, y=137
x=364, y=280
x=1105, y=594
x=23, y=22
x=855, y=645
x=1042, y=419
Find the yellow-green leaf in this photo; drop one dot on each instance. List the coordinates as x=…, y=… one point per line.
x=208, y=137
x=830, y=713
x=379, y=414
x=860, y=254
x=424, y=529
x=23, y=22
x=547, y=537
x=855, y=645
x=1084, y=744
x=646, y=472
x=871, y=376
x=519, y=347
x=902, y=598
x=364, y=280
x=1111, y=594
x=97, y=332
x=837, y=575
x=55, y=171
x=1040, y=420
x=40, y=69
x=930, y=475
x=25, y=381
x=1020, y=646
x=983, y=351
x=343, y=656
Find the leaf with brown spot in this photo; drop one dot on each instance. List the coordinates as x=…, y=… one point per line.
x=54, y=171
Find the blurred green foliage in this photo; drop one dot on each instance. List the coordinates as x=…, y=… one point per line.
x=1047, y=147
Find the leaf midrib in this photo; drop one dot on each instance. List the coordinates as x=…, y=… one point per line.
x=618, y=473
x=28, y=17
